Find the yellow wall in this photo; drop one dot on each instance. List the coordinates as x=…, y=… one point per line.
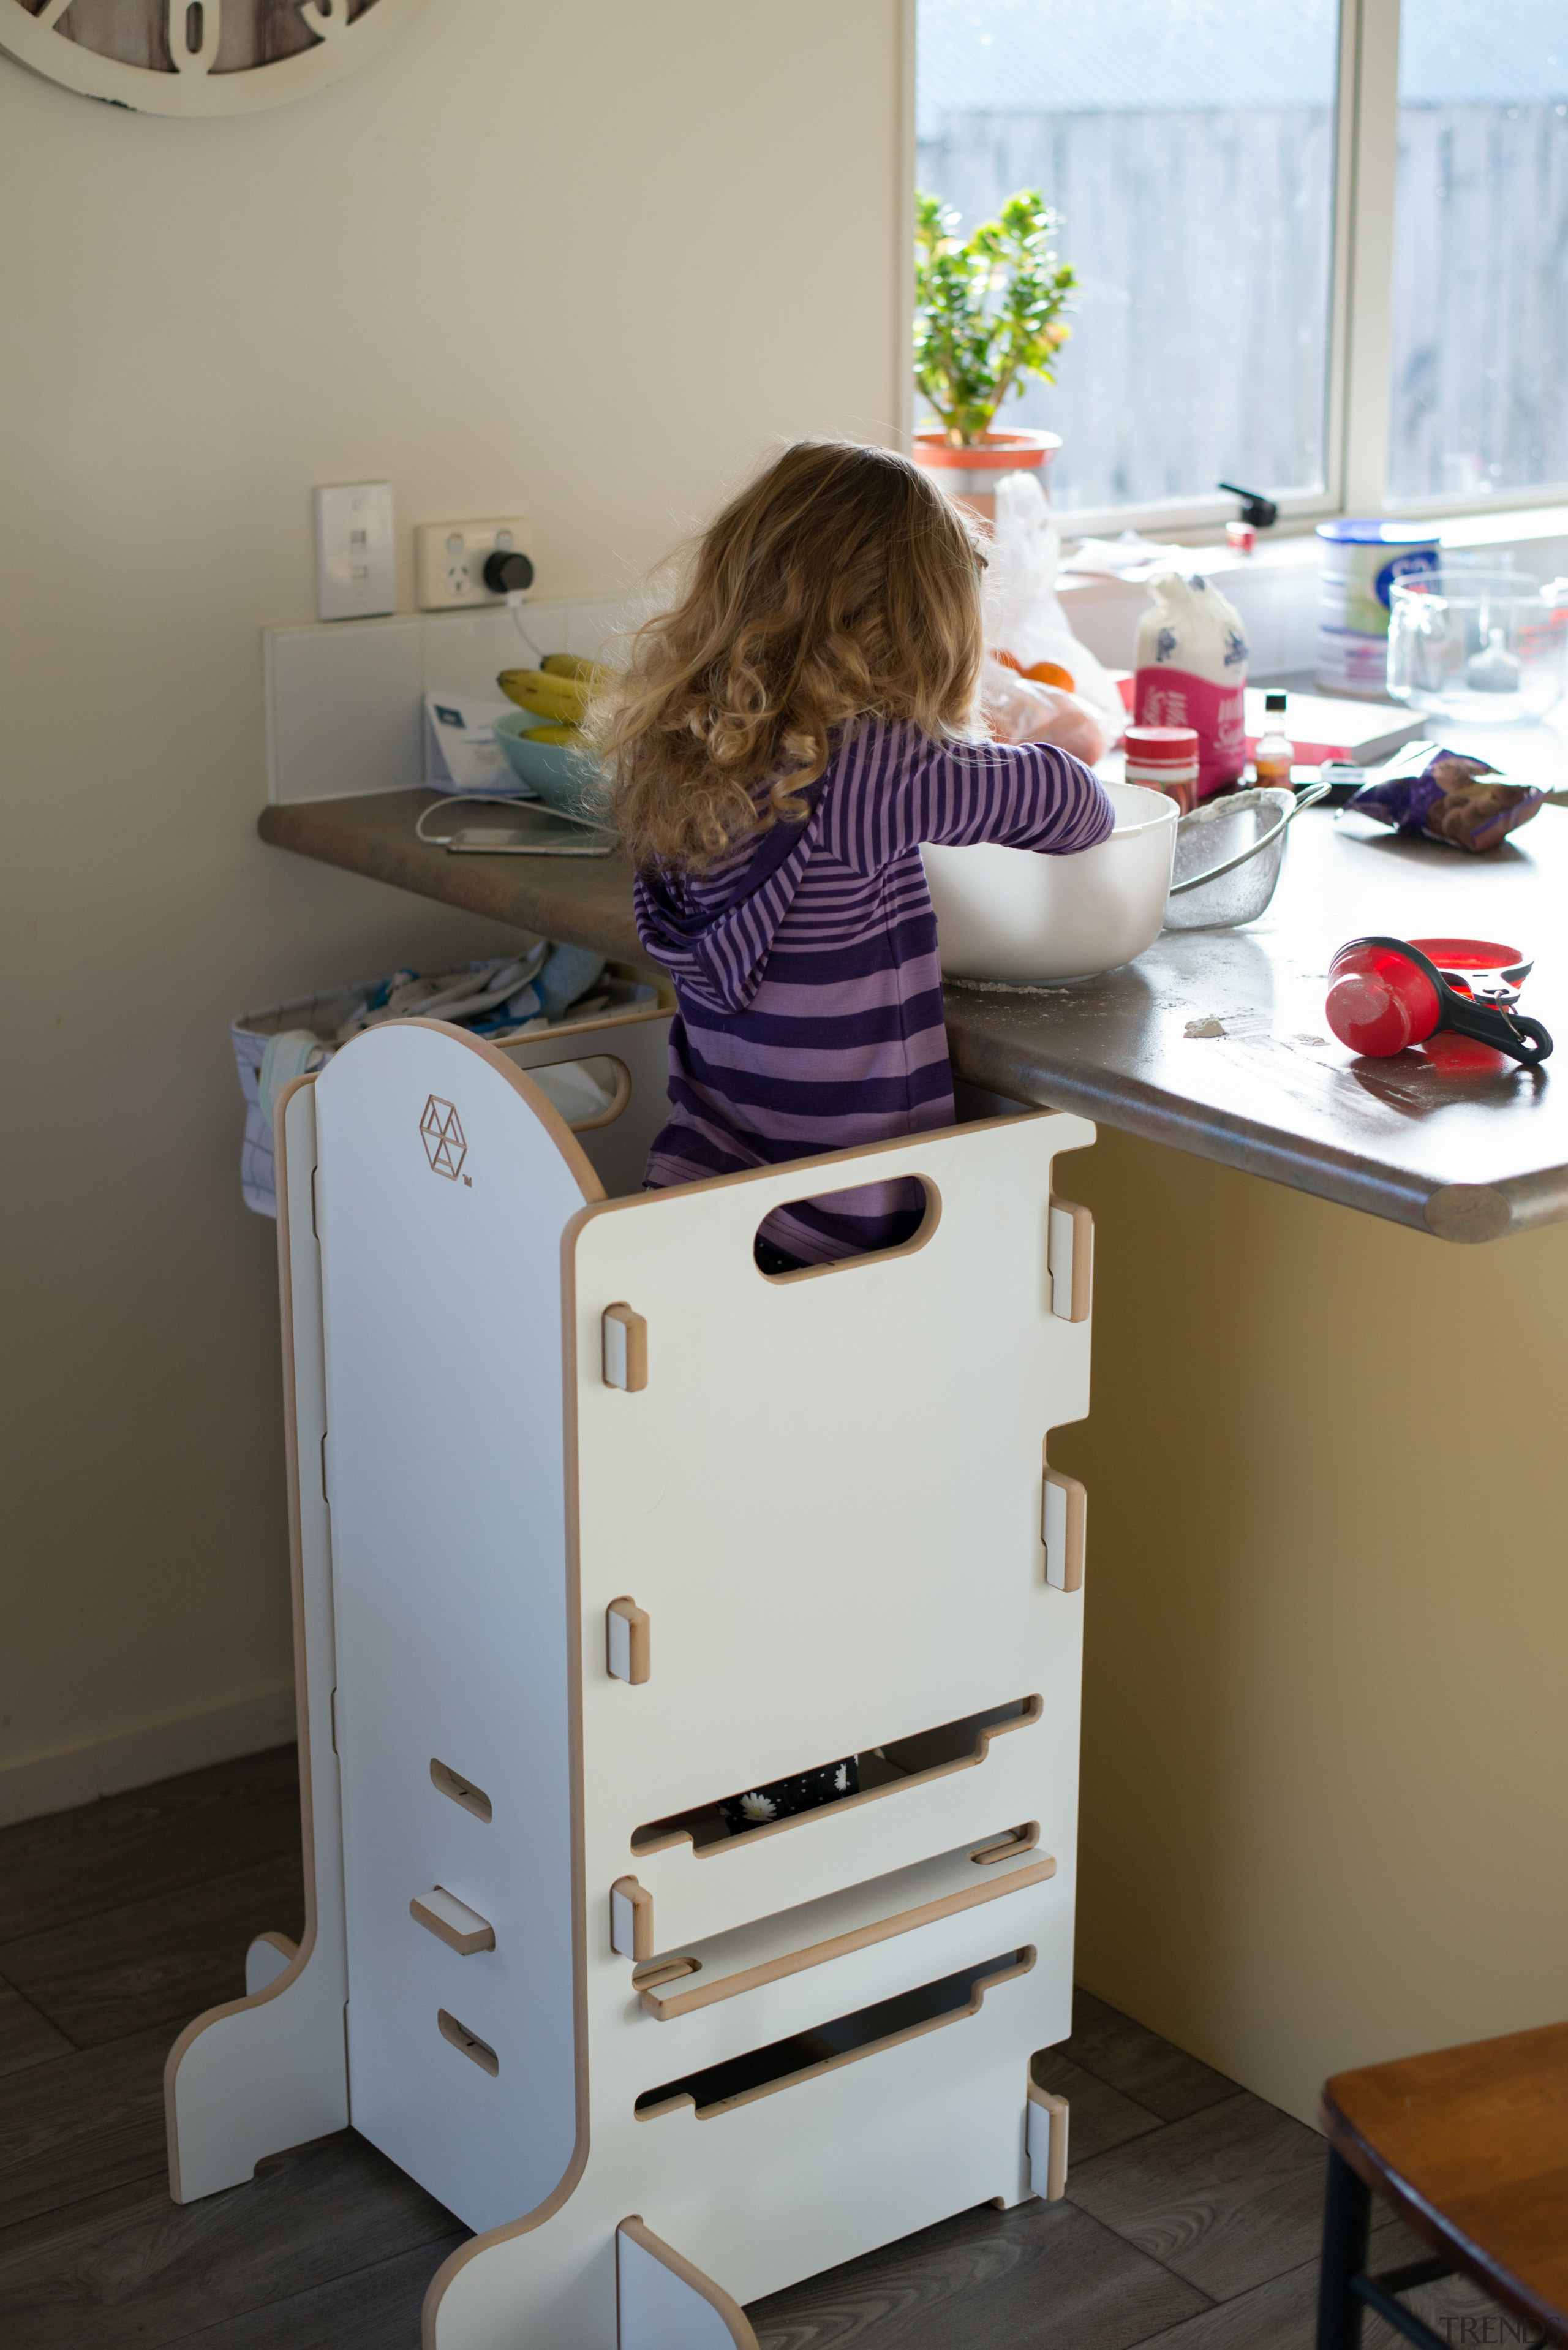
x=1324, y=1745
x=579, y=263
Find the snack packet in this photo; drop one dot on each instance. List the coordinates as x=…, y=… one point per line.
x=1455, y=798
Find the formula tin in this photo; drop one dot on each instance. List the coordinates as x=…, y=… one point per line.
x=1360, y=562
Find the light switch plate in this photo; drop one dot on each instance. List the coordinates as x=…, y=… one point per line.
x=354, y=572
x=449, y=560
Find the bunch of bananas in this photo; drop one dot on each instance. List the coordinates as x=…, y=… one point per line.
x=559, y=692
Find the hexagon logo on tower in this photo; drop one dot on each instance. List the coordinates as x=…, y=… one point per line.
x=441, y=1131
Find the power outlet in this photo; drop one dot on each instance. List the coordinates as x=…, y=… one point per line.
x=450, y=557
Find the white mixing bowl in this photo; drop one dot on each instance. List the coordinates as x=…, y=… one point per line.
x=1011, y=914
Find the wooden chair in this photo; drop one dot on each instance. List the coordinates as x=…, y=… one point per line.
x=1470, y=2146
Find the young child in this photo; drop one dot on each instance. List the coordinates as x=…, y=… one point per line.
x=781, y=745
x=783, y=742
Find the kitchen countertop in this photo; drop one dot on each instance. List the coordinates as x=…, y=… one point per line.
x=1214, y=1042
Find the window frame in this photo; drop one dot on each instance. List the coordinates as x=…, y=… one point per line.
x=1360, y=353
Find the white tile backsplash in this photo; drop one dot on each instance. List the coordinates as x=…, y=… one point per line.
x=343, y=699
x=592, y=627
x=462, y=652
x=343, y=710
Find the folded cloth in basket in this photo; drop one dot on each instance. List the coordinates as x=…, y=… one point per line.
x=500, y=999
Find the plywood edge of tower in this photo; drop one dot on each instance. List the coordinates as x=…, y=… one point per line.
x=267, y=2071
x=663, y=2298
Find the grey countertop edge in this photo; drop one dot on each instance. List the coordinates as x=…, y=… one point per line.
x=525, y=893
x=1463, y=1213
x=1532, y=1199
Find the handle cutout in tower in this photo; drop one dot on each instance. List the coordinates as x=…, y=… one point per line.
x=461, y=1790
x=1064, y=1513
x=885, y=1770
x=1070, y=1255
x=451, y=1921
x=625, y=1349
x=860, y=1226
x=738, y=2080
x=629, y=1654
x=589, y=1093
x=479, y=2052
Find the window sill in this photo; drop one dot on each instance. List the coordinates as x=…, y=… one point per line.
x=1275, y=590
x=1293, y=544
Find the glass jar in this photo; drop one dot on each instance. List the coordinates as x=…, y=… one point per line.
x=1485, y=647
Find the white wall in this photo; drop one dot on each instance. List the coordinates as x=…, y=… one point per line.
x=582, y=264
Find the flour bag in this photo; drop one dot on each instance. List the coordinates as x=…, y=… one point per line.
x=1193, y=672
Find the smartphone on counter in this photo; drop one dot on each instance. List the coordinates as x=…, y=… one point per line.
x=544, y=835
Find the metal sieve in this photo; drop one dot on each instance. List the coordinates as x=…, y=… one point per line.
x=1228, y=853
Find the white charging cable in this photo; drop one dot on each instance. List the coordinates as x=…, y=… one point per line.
x=481, y=799
x=458, y=799
x=514, y=606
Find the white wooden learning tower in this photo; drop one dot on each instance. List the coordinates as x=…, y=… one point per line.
x=595, y=1527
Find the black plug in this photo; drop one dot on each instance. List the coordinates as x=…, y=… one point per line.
x=1256, y=509
x=506, y=572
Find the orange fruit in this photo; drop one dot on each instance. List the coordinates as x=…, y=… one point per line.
x=1049, y=673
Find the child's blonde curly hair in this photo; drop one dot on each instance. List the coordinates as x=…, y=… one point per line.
x=841, y=585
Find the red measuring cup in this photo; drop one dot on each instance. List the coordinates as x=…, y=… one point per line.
x=1487, y=969
x=1384, y=994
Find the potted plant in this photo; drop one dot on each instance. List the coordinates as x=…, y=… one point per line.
x=988, y=315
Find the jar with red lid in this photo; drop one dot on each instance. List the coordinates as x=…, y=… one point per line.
x=1164, y=759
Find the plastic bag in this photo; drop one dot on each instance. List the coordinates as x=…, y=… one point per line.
x=1019, y=710
x=1460, y=801
x=1193, y=672
x=1024, y=615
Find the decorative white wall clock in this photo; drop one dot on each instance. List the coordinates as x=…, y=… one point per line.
x=197, y=56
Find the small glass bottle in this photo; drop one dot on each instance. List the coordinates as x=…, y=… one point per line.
x=1275, y=753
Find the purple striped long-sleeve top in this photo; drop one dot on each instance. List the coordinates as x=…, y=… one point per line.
x=806, y=973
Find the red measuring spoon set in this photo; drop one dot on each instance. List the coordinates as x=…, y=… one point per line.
x=1386, y=995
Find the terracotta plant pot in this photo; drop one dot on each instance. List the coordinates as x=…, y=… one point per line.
x=970, y=475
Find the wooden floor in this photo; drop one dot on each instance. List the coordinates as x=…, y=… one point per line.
x=1192, y=2220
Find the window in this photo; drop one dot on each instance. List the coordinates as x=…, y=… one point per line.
x=1304, y=266
x=1189, y=145
x=1480, y=389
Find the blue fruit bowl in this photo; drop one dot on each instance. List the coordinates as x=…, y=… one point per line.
x=569, y=780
